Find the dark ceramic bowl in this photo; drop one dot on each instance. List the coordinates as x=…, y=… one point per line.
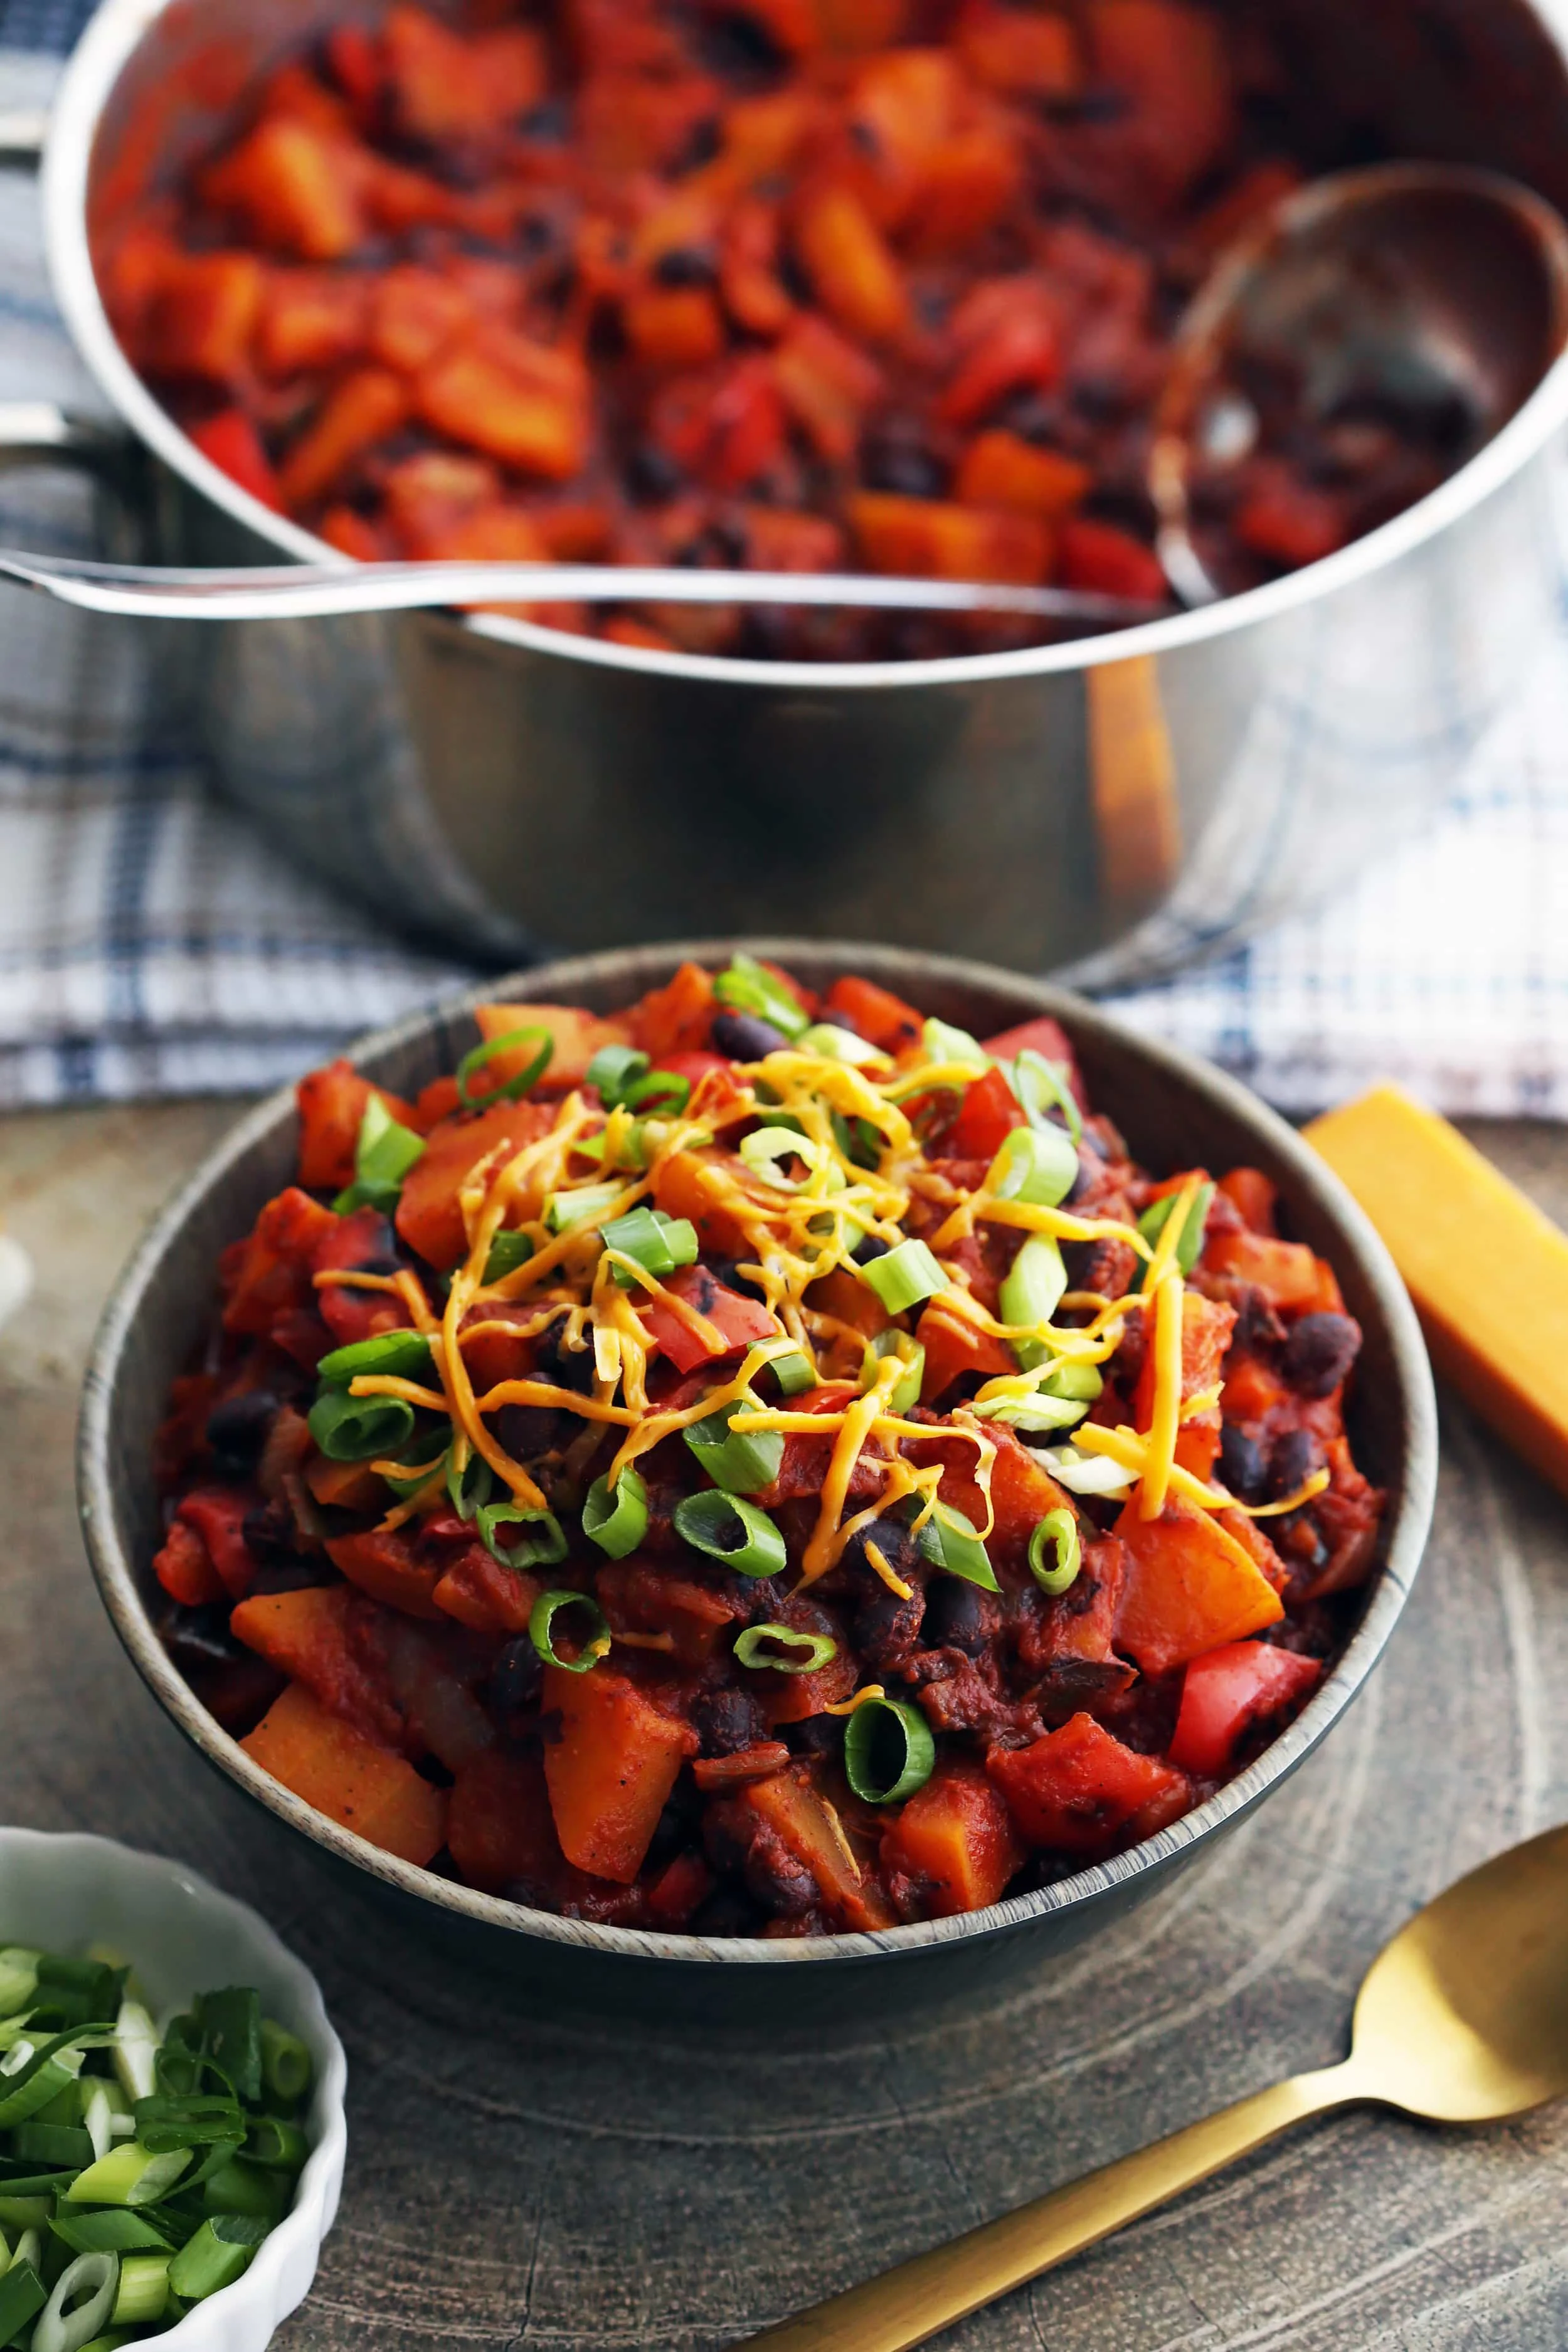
x=1176, y=1113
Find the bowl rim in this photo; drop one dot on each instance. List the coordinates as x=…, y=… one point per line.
x=311, y=2215
x=117, y=30
x=1405, y=1539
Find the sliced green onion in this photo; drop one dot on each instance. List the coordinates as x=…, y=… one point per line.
x=469, y=1489
x=542, y=1619
x=889, y=1751
x=116, y=2231
x=23, y=2213
x=748, y=987
x=135, y=2051
x=543, y=1549
x=835, y=1045
x=617, y=1522
x=79, y=2304
x=384, y=1153
x=949, y=1540
x=508, y=1252
x=219, y=2253
x=23, y=2295
x=909, y=1354
x=98, y=2115
x=1085, y=1474
x=904, y=1276
x=941, y=1042
x=810, y=1651
x=277, y=2145
x=129, y=2175
x=358, y=1429
x=57, y=2146
x=668, y=1088
x=857, y=1140
x=1083, y=1380
x=238, y=2187
x=765, y=1149
x=657, y=1242
x=1057, y=1532
x=1032, y=1290
x=1157, y=1216
x=613, y=1069
x=286, y=2063
x=401, y=1355
x=28, y=2083
x=19, y=1977
x=1037, y=1164
x=584, y=1204
x=509, y=1089
x=1037, y=1082
x=795, y=1372
x=733, y=1531
x=143, y=2291
x=741, y=1463
x=1041, y=1411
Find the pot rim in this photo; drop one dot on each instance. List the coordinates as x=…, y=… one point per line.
x=120, y=1583
x=111, y=39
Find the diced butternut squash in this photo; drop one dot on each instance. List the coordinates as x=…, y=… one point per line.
x=954, y=1347
x=359, y=412
x=674, y=326
x=430, y=1217
x=415, y=314
x=789, y=1804
x=575, y=1037
x=1001, y=469
x=383, y=1562
x=309, y=1636
x=1206, y=1327
x=272, y=1273
x=334, y=1767
x=956, y=1834
x=498, y=1826
x=611, y=1771
x=849, y=264
x=1188, y=1588
x=1286, y=1272
x=309, y=319
x=939, y=540
x=479, y=1592
x=874, y=1014
x=529, y=410
x=294, y=186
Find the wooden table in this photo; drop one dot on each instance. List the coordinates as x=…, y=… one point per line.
x=525, y=2183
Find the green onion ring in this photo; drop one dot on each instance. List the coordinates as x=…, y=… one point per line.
x=705, y=1520
x=469, y=1489
x=616, y=1523
x=405, y=1355
x=667, y=1087
x=356, y=1429
x=541, y=1618
x=1060, y=1529
x=817, y=1649
x=542, y=1551
x=878, y=1725
x=509, y=1089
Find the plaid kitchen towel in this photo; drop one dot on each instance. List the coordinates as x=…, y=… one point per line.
x=151, y=943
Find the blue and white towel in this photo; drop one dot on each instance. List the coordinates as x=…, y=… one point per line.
x=151, y=944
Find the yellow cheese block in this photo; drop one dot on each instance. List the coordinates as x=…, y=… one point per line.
x=1487, y=1272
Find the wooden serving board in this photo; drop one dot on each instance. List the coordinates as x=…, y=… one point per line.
x=515, y=2183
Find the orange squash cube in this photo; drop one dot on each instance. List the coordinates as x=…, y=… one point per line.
x=332, y=1766
x=1187, y=1587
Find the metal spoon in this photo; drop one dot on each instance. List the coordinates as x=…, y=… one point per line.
x=1462, y=2019
x=1419, y=285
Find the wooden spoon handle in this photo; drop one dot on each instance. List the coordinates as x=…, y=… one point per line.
x=935, y=2290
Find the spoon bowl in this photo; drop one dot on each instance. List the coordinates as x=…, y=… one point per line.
x=1421, y=300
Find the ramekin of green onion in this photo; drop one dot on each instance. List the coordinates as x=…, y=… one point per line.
x=172, y=2133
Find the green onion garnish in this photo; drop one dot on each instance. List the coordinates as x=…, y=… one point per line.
x=740, y=1463
x=1058, y=1534
x=1157, y=1216
x=19, y=1977
x=384, y=1154
x=23, y=2296
x=79, y=2303
x=542, y=1549
x=541, y=1619
x=666, y=1088
x=584, y=1204
x=617, y=1522
x=1032, y=1290
x=143, y=2290
x=357, y=1429
x=508, y=1252
x=403, y=1355
x=236, y=2187
x=654, y=1242
x=1085, y=1474
x=835, y=1045
x=904, y=1276
x=469, y=1489
x=748, y=987
x=941, y=1042
x=1037, y=1082
x=219, y=2253
x=733, y=1531
x=889, y=1750
x=1084, y=1382
x=909, y=1354
x=1041, y=1411
x=277, y=2144
x=286, y=2067
x=1037, y=1164
x=767, y=1148
x=509, y=1089
x=950, y=1540
x=116, y=2231
x=795, y=1372
x=129, y=2175
x=613, y=1069
x=810, y=1651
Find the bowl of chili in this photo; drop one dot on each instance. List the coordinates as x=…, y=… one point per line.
x=437, y=283
x=713, y=1524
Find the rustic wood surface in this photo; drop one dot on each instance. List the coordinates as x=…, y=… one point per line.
x=514, y=2181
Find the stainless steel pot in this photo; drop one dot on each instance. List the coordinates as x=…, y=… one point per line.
x=1114, y=807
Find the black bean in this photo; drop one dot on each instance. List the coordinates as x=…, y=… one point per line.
x=744, y=1037
x=687, y=265
x=517, y=1677
x=527, y=1431
x=653, y=473
x=727, y=1270
x=818, y=1735
x=887, y=1629
x=726, y=1913
x=239, y=1426
x=549, y=120
x=1292, y=1459
x=268, y=1529
x=565, y=1366
x=959, y=1616
x=1320, y=1352
x=1242, y=1466
x=726, y=1721
x=782, y=1887
x=869, y=1248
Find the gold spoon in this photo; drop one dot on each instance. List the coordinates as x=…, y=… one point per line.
x=1463, y=2018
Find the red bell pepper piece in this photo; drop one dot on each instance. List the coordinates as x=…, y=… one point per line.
x=184, y=1568
x=1080, y=1791
x=234, y=446
x=217, y=1515
x=1227, y=1691
x=987, y=1115
x=1098, y=557
x=737, y=1320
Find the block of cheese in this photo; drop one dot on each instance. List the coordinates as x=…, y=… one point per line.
x=1487, y=1271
